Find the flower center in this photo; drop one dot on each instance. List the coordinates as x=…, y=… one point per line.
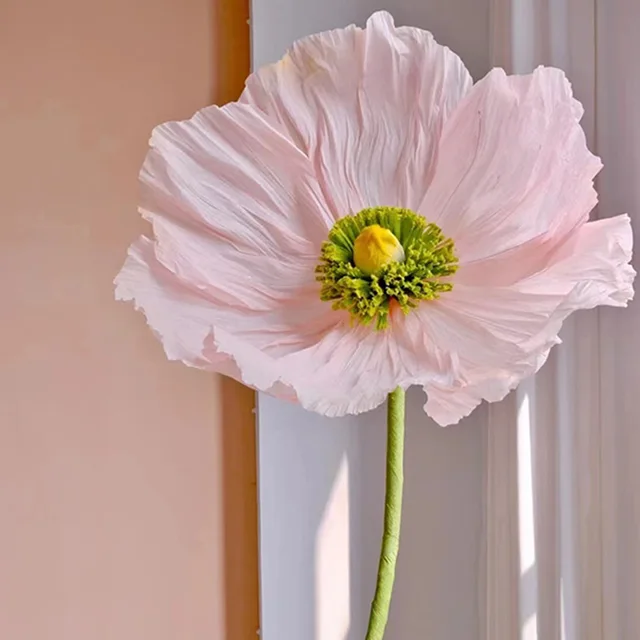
x=376, y=247
x=381, y=255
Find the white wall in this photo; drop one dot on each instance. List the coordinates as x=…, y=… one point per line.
x=321, y=481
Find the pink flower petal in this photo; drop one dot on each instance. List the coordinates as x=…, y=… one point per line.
x=367, y=106
x=588, y=269
x=232, y=175
x=238, y=223
x=201, y=332
x=351, y=369
x=181, y=319
x=595, y=260
x=513, y=166
x=224, y=274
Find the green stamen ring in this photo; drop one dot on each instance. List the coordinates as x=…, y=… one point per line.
x=429, y=258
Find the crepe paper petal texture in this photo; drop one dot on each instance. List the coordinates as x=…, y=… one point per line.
x=367, y=107
x=241, y=200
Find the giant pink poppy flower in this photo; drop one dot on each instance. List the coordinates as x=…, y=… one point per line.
x=241, y=199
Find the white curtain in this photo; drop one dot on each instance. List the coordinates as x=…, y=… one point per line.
x=562, y=485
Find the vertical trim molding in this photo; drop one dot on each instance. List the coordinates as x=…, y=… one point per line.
x=231, y=41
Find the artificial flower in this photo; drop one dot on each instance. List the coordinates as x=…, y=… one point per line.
x=366, y=218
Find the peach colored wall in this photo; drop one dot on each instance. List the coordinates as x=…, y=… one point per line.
x=113, y=511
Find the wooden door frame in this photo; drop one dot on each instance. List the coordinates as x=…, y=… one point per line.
x=231, y=43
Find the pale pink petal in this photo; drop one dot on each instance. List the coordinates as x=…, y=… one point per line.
x=237, y=220
x=203, y=333
x=596, y=260
x=588, y=269
x=351, y=369
x=367, y=106
x=490, y=330
x=232, y=278
x=513, y=166
x=510, y=266
x=185, y=321
x=442, y=344
x=231, y=175
x=448, y=405
x=516, y=324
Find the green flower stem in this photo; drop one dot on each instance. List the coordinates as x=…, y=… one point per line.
x=392, y=515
